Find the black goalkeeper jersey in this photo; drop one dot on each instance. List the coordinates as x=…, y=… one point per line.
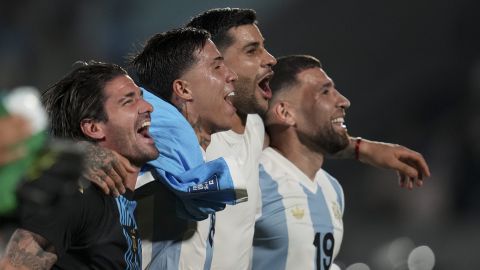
x=90, y=231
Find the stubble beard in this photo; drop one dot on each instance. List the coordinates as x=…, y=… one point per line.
x=138, y=155
x=326, y=141
x=245, y=100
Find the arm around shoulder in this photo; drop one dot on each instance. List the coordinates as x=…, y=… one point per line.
x=410, y=165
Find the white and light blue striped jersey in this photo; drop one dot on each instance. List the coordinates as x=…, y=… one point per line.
x=234, y=226
x=170, y=242
x=126, y=210
x=193, y=252
x=300, y=221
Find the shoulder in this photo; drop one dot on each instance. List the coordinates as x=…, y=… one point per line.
x=270, y=171
x=337, y=187
x=255, y=125
x=332, y=180
x=94, y=205
x=270, y=160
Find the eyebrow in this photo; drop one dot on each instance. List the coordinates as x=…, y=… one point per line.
x=253, y=43
x=216, y=61
x=328, y=84
x=127, y=96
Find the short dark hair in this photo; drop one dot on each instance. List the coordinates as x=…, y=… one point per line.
x=165, y=57
x=287, y=69
x=218, y=21
x=78, y=96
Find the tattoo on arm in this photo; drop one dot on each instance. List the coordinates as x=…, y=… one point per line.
x=97, y=160
x=29, y=250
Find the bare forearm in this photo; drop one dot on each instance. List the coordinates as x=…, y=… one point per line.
x=410, y=165
x=27, y=250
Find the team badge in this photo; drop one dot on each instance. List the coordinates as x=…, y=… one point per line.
x=298, y=212
x=336, y=210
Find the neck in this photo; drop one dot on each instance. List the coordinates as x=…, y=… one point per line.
x=287, y=144
x=203, y=136
x=238, y=123
x=201, y=130
x=131, y=179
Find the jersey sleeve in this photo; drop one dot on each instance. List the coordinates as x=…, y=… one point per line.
x=55, y=223
x=66, y=221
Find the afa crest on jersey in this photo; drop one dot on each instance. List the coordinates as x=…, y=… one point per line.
x=298, y=212
x=337, y=213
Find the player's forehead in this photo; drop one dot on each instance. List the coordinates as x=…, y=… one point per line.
x=208, y=54
x=314, y=76
x=119, y=86
x=245, y=34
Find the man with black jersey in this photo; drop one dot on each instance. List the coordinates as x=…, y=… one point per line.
x=100, y=103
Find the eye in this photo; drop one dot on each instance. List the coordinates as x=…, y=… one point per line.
x=251, y=50
x=325, y=91
x=128, y=101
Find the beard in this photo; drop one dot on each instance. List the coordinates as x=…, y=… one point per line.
x=326, y=141
x=141, y=156
x=245, y=100
x=137, y=154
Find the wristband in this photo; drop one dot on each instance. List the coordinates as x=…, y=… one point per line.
x=358, y=141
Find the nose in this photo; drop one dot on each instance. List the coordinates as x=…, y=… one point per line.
x=268, y=59
x=343, y=102
x=231, y=75
x=144, y=106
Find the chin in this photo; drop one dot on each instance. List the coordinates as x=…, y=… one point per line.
x=148, y=154
x=336, y=144
x=261, y=108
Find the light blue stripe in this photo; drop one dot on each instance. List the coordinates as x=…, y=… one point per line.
x=209, y=245
x=120, y=207
x=338, y=188
x=125, y=209
x=320, y=216
x=166, y=254
x=270, y=252
x=128, y=254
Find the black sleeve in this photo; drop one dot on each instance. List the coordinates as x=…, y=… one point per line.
x=50, y=203
x=56, y=223
x=74, y=222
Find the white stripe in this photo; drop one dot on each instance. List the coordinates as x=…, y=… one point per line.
x=146, y=253
x=143, y=179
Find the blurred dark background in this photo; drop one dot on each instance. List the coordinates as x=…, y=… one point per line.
x=410, y=68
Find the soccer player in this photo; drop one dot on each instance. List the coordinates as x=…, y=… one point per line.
x=237, y=36
x=100, y=103
x=184, y=68
x=300, y=221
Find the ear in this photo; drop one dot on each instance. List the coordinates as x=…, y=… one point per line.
x=285, y=113
x=181, y=90
x=92, y=129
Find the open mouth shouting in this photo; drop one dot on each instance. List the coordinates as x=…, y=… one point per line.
x=228, y=99
x=264, y=85
x=143, y=132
